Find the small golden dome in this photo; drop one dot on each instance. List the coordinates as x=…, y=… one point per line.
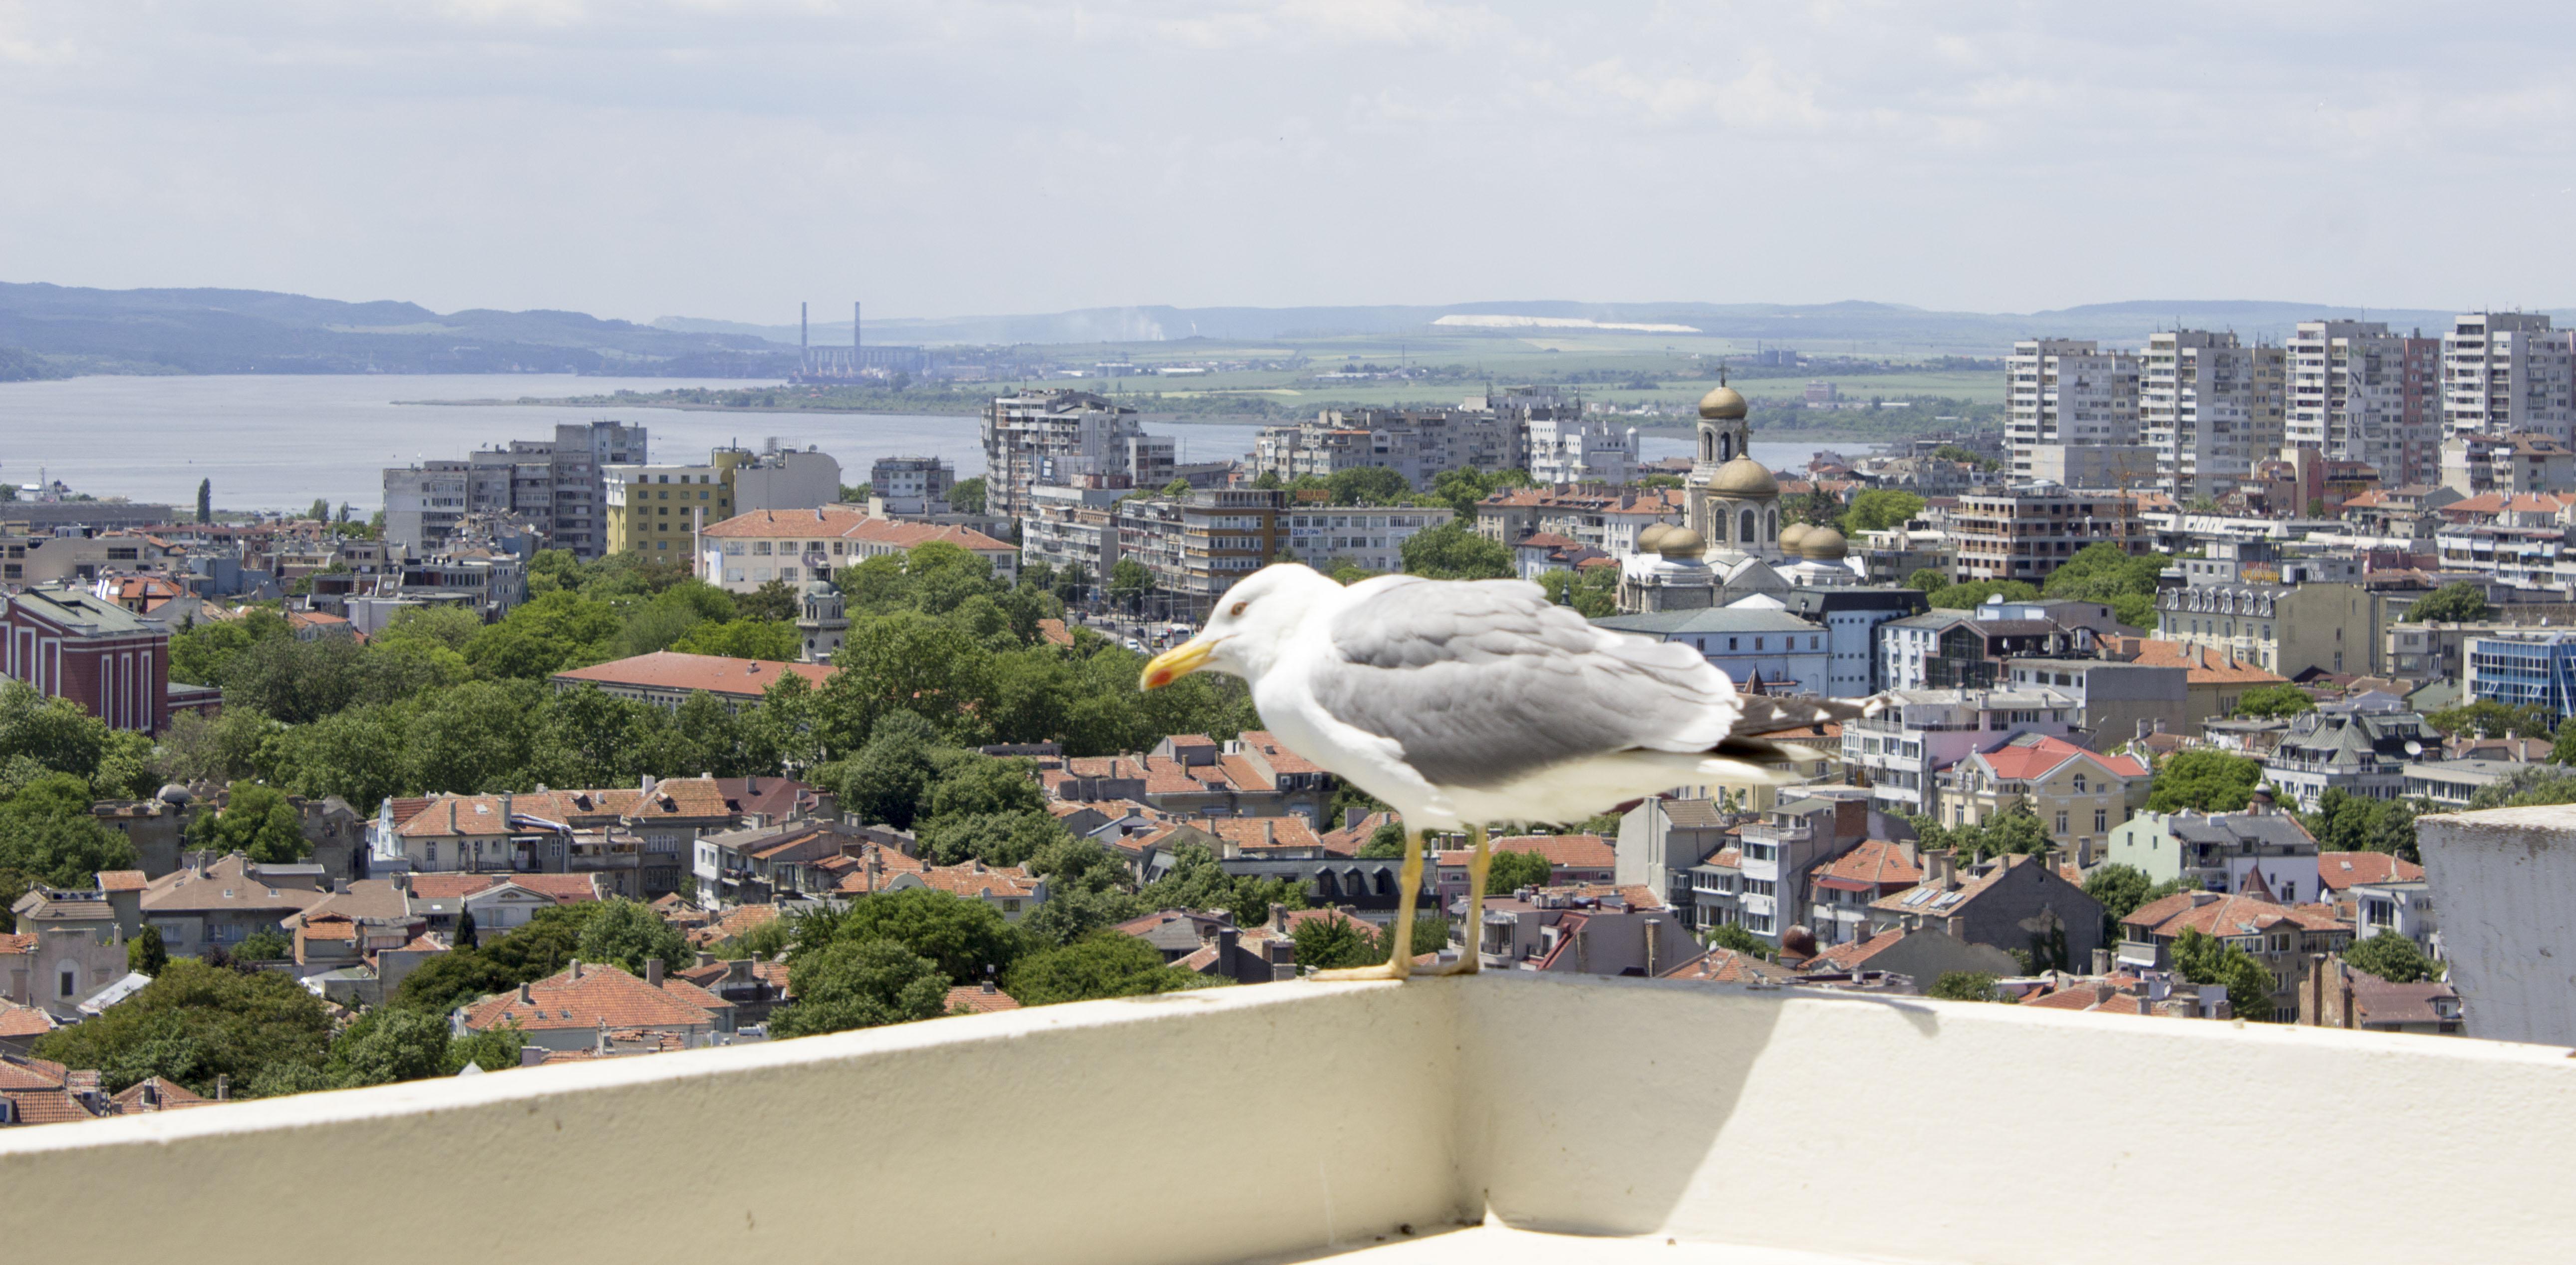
x=1744, y=477
x=1792, y=534
x=1723, y=403
x=1650, y=537
x=1823, y=544
x=1681, y=544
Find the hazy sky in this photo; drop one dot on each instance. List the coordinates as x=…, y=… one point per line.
x=963, y=156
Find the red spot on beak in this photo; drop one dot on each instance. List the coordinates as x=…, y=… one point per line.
x=1161, y=678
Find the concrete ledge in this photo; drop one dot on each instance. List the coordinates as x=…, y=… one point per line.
x=1296, y=1119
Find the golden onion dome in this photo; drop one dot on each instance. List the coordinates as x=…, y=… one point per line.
x=1823, y=544
x=1681, y=543
x=1650, y=537
x=1792, y=534
x=1744, y=477
x=1723, y=403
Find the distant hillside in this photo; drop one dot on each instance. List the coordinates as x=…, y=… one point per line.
x=1876, y=326
x=253, y=331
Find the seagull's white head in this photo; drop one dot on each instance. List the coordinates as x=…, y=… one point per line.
x=1248, y=628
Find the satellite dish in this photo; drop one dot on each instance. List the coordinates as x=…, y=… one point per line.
x=2413, y=747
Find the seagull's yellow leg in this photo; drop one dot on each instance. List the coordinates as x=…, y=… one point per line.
x=1470, y=960
x=1398, y=963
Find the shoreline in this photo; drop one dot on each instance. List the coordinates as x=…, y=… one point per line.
x=1169, y=419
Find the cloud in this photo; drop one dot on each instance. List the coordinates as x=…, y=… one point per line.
x=727, y=157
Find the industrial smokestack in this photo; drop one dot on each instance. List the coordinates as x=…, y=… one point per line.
x=857, y=360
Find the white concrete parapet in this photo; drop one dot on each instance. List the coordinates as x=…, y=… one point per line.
x=2504, y=882
x=1300, y=1119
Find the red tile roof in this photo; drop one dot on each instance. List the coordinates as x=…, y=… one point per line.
x=2235, y=915
x=2204, y=666
x=715, y=674
x=1577, y=852
x=1877, y=863
x=2339, y=870
x=2031, y=757
x=842, y=524
x=601, y=992
x=23, y=1021
x=1726, y=966
x=973, y=999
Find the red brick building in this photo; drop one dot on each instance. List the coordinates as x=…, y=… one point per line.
x=69, y=643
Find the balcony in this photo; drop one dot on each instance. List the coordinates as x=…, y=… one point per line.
x=1395, y=1121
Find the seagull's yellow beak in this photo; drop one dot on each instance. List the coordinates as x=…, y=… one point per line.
x=1177, y=662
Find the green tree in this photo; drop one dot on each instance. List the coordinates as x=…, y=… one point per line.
x=1384, y=843
x=959, y=935
x=1368, y=485
x=860, y=984
x=383, y=1046
x=267, y=944
x=2106, y=573
x=774, y=601
x=966, y=496
x=195, y=1022
x=449, y=980
x=1879, y=509
x=48, y=734
x=1331, y=942
x=2204, y=781
x=2122, y=890
x=2487, y=718
x=1592, y=592
x=1129, y=581
x=1453, y=551
x=2530, y=787
x=891, y=776
x=1965, y=986
x=1734, y=938
x=1928, y=580
x=1104, y=964
x=2392, y=957
x=1973, y=594
x=2345, y=822
x=628, y=933
x=494, y=1049
x=2459, y=602
x=259, y=823
x=1513, y=871
x=466, y=936
x=2266, y=702
x=145, y=954
x=2206, y=959
x=48, y=835
x=205, y=500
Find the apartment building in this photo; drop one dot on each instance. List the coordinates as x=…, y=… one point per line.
x=1065, y=437
x=2473, y=464
x=660, y=510
x=558, y=484
x=778, y=478
x=2210, y=406
x=1567, y=447
x=2504, y=372
x=1370, y=536
x=1920, y=732
x=2067, y=392
x=2078, y=795
x=2357, y=392
x=1416, y=443
x=2025, y=530
x=1213, y=537
x=1597, y=516
x=2526, y=669
x=910, y=485
x=2360, y=747
x=2277, y=627
x=1072, y=530
x=746, y=551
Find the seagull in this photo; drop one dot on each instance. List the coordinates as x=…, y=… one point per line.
x=1461, y=703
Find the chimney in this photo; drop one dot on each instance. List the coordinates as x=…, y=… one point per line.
x=645, y=786
x=2101, y=961
x=531, y=1055
x=223, y=1087
x=653, y=972
x=1226, y=938
x=526, y=997
x=1352, y=817
x=1278, y=916
x=1654, y=934
x=576, y=968
x=602, y=1047
x=705, y=958
x=509, y=805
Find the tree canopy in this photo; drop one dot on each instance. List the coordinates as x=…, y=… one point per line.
x=1513, y=871
x=2267, y=702
x=1453, y=551
x=1103, y=964
x=2206, y=959
x=2204, y=781
x=1973, y=594
x=2486, y=718
x=2392, y=957
x=1878, y=509
x=2103, y=572
x=2460, y=602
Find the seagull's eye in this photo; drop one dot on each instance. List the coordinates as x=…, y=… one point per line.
x=1238, y=608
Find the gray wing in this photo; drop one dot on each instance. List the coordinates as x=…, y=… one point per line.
x=1484, y=682
x=1766, y=714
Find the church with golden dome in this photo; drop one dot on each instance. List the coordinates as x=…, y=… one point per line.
x=1733, y=502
